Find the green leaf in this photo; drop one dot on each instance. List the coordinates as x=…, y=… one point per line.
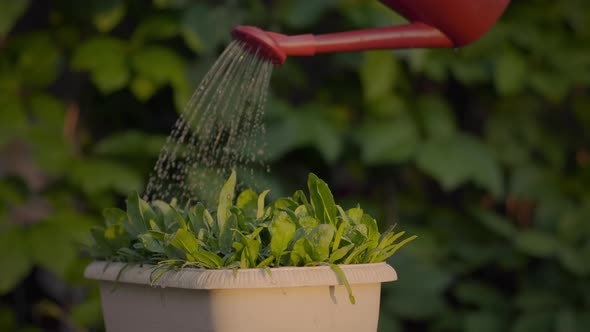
x=341, y=228
x=160, y=65
x=344, y=280
x=355, y=214
x=419, y=292
x=340, y=253
x=437, y=117
x=301, y=14
x=388, y=323
x=105, y=58
x=13, y=120
x=495, y=222
x=135, y=223
x=373, y=233
x=574, y=261
x=247, y=201
x=226, y=234
x=226, y=197
x=536, y=243
x=152, y=243
x=307, y=126
x=378, y=75
x=197, y=219
x=108, y=14
x=87, y=313
x=16, y=263
x=10, y=12
x=534, y=322
x=510, y=74
x=113, y=216
x=156, y=28
x=282, y=231
x=479, y=294
x=392, y=141
x=95, y=176
x=204, y=27
x=260, y=205
x=356, y=252
x=170, y=3
x=187, y=243
x=301, y=253
x=550, y=84
x=320, y=239
x=116, y=237
x=538, y=300
x=38, y=58
x=130, y=143
x=322, y=200
x=458, y=159
x=484, y=321
x=252, y=248
x=210, y=259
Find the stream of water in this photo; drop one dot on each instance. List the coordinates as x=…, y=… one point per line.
x=220, y=129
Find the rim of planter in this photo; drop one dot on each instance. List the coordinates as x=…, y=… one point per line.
x=193, y=278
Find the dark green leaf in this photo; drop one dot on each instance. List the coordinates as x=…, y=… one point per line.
x=226, y=197
x=205, y=27
x=459, y=159
x=135, y=223
x=116, y=237
x=113, y=216
x=534, y=322
x=10, y=11
x=484, y=321
x=322, y=200
x=536, y=243
x=226, y=234
x=16, y=263
x=510, y=73
x=378, y=75
x=108, y=14
x=390, y=141
x=130, y=143
x=105, y=58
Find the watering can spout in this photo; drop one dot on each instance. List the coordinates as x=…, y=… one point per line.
x=433, y=24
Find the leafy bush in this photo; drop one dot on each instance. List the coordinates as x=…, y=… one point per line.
x=482, y=151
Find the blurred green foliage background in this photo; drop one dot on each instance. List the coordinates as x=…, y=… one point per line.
x=484, y=152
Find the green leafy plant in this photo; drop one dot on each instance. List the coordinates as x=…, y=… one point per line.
x=245, y=233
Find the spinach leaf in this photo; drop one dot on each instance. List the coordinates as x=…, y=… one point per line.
x=322, y=200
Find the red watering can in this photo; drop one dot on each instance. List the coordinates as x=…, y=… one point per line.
x=433, y=23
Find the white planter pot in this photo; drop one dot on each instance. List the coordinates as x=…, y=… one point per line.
x=310, y=299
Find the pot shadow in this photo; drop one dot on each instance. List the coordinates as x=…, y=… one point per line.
x=333, y=294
